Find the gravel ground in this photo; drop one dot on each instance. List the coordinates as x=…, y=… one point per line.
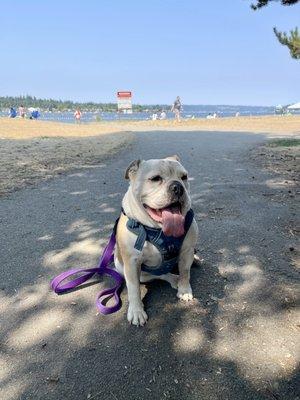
x=237, y=340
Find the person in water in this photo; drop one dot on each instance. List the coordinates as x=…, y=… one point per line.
x=177, y=108
x=163, y=115
x=77, y=116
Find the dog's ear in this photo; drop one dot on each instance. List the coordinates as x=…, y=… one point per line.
x=132, y=169
x=175, y=157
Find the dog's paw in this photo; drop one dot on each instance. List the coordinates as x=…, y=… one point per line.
x=185, y=294
x=136, y=316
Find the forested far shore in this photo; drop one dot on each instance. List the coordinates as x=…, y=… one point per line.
x=67, y=105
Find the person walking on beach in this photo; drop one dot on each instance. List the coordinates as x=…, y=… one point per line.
x=22, y=111
x=77, y=116
x=177, y=108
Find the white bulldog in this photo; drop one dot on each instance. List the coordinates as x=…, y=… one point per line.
x=157, y=197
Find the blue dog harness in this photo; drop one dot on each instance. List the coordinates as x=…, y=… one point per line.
x=168, y=246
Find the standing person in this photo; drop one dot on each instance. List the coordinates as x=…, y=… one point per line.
x=12, y=113
x=22, y=111
x=77, y=116
x=177, y=108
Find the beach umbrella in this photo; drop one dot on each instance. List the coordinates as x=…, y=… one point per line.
x=295, y=106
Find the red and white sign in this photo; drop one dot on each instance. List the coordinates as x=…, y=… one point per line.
x=124, y=101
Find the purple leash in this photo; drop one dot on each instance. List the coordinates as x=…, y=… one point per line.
x=85, y=274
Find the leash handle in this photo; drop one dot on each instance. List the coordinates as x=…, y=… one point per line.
x=106, y=259
x=107, y=293
x=58, y=287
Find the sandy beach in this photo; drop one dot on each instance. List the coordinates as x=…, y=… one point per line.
x=26, y=129
x=274, y=125
x=35, y=150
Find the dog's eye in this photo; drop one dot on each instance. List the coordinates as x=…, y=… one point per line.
x=184, y=177
x=156, y=178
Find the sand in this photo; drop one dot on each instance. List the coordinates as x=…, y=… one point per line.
x=35, y=150
x=25, y=129
x=28, y=129
x=274, y=125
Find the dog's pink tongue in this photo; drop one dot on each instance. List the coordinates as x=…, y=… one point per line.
x=172, y=222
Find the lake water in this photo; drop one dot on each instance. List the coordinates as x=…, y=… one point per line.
x=189, y=111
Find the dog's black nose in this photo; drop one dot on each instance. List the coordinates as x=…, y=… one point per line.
x=176, y=188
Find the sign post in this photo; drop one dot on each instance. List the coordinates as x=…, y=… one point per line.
x=124, y=102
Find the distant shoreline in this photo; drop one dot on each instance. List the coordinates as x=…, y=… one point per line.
x=54, y=105
x=189, y=112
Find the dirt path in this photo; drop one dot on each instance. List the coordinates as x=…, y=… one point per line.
x=238, y=340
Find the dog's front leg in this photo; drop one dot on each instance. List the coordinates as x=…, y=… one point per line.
x=186, y=259
x=136, y=314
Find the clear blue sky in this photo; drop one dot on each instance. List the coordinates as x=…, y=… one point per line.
x=208, y=52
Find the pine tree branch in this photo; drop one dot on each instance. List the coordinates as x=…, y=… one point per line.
x=292, y=41
x=263, y=3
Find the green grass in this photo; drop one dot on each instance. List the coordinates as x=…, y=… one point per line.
x=284, y=143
